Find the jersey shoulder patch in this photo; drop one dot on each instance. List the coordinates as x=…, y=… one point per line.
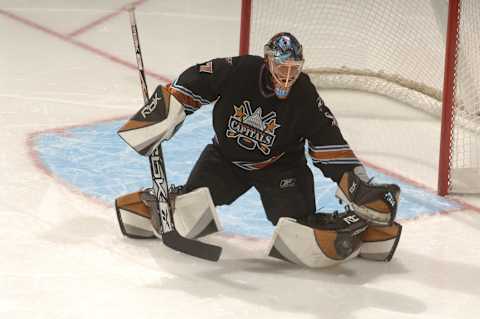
x=207, y=67
x=320, y=103
x=326, y=112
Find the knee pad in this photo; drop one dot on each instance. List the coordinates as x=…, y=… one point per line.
x=195, y=214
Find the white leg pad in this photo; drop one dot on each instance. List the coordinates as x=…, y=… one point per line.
x=134, y=216
x=305, y=246
x=195, y=214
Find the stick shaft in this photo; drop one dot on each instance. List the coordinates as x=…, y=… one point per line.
x=138, y=53
x=156, y=159
x=169, y=234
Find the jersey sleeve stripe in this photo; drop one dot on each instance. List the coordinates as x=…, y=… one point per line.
x=331, y=154
x=328, y=147
x=346, y=161
x=190, y=101
x=190, y=104
x=194, y=97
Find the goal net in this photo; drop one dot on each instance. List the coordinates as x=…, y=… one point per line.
x=393, y=48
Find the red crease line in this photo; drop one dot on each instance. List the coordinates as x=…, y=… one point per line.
x=102, y=19
x=80, y=44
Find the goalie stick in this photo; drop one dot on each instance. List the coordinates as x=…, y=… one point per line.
x=166, y=227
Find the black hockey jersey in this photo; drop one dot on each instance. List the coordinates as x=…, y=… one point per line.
x=255, y=129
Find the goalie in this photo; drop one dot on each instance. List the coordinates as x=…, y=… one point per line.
x=266, y=109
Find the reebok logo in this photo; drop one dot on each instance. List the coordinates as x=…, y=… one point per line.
x=351, y=219
x=390, y=198
x=150, y=107
x=288, y=183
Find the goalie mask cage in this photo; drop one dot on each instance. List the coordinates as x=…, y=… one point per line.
x=424, y=53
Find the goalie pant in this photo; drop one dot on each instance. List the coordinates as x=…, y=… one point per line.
x=285, y=191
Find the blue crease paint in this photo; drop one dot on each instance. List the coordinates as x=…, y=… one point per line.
x=96, y=161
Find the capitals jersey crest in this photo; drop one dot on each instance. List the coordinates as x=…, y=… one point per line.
x=252, y=129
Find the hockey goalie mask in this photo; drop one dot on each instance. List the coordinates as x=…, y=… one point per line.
x=284, y=59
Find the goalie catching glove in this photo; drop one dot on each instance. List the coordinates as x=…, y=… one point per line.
x=376, y=203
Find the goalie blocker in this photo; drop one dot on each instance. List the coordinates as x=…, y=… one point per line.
x=194, y=214
x=153, y=124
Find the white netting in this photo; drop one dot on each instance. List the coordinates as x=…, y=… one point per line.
x=395, y=48
x=466, y=142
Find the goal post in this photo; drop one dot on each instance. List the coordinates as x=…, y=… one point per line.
x=405, y=50
x=445, y=158
x=459, y=162
x=245, y=26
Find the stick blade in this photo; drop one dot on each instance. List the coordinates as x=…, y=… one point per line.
x=191, y=247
